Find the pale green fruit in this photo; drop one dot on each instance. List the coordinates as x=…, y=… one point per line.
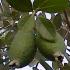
x=45, y=28
x=22, y=49
x=51, y=50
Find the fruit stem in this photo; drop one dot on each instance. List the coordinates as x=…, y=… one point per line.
x=45, y=65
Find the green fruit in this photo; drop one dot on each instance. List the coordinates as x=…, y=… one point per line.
x=21, y=5
x=49, y=49
x=22, y=49
x=45, y=28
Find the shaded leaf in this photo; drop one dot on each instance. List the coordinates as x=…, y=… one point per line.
x=21, y=5
x=45, y=28
x=50, y=5
x=57, y=21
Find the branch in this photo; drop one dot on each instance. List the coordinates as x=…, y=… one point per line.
x=68, y=23
x=67, y=57
x=42, y=61
x=45, y=65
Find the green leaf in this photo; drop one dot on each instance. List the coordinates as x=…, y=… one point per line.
x=45, y=28
x=21, y=5
x=57, y=21
x=50, y=5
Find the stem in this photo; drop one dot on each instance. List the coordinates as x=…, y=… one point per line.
x=37, y=64
x=45, y=65
x=67, y=57
x=42, y=61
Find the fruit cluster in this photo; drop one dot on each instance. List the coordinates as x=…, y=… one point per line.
x=32, y=35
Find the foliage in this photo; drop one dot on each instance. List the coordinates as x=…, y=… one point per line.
x=26, y=37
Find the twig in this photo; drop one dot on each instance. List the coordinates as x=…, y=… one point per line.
x=68, y=23
x=67, y=57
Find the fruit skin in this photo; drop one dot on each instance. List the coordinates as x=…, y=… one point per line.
x=21, y=5
x=45, y=28
x=22, y=48
x=49, y=49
